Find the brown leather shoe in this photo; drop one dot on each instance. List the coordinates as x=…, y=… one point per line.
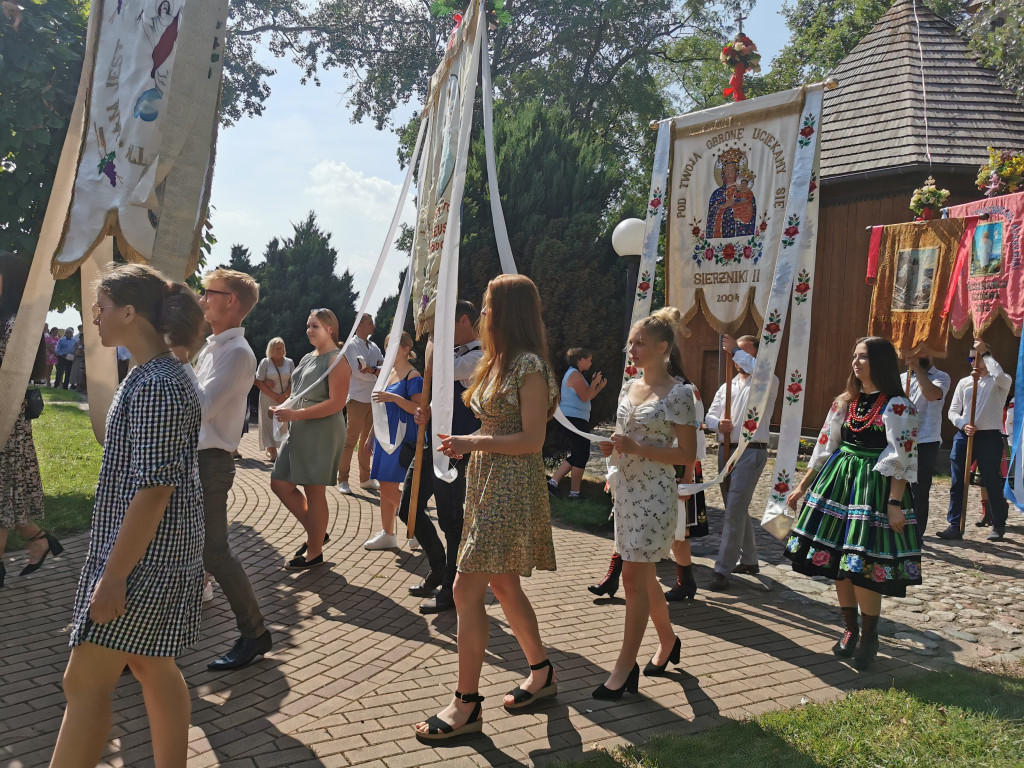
x=749, y=570
x=719, y=583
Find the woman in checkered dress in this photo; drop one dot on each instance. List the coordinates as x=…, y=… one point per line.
x=139, y=595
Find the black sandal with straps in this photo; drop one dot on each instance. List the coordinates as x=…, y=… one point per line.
x=523, y=698
x=438, y=729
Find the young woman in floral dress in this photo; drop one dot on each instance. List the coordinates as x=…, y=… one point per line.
x=857, y=523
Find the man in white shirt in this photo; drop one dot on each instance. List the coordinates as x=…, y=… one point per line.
x=449, y=498
x=928, y=389
x=993, y=388
x=365, y=359
x=225, y=370
x=124, y=358
x=737, y=528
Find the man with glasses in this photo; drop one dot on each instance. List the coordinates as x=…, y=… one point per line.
x=365, y=359
x=993, y=388
x=927, y=387
x=226, y=369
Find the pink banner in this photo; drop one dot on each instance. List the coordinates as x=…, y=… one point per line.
x=992, y=282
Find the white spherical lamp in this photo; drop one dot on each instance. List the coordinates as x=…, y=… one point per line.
x=628, y=237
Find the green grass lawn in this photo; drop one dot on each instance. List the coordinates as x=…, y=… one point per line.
x=61, y=395
x=590, y=512
x=69, y=463
x=960, y=718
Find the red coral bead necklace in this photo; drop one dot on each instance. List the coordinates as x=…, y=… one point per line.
x=860, y=423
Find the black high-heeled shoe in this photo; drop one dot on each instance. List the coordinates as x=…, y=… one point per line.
x=847, y=644
x=52, y=546
x=865, y=654
x=683, y=590
x=632, y=685
x=656, y=670
x=609, y=585
x=302, y=550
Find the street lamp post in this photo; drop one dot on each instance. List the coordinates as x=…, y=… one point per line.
x=628, y=242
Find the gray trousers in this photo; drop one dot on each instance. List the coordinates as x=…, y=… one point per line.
x=217, y=474
x=737, y=527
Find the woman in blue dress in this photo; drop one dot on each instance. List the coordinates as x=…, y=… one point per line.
x=402, y=397
x=140, y=593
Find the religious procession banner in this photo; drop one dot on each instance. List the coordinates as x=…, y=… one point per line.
x=729, y=184
x=911, y=266
x=136, y=128
x=992, y=282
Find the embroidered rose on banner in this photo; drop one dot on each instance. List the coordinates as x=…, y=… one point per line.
x=750, y=423
x=772, y=327
x=791, y=231
x=644, y=285
x=802, y=287
x=807, y=130
x=796, y=386
x=631, y=371
x=781, y=487
x=812, y=187
x=728, y=252
x=654, y=206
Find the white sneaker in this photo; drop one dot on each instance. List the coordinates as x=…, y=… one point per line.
x=413, y=544
x=343, y=488
x=382, y=540
x=370, y=485
x=208, y=591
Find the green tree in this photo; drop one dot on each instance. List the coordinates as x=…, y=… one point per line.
x=296, y=276
x=996, y=32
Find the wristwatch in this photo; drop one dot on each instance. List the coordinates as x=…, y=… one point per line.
x=895, y=502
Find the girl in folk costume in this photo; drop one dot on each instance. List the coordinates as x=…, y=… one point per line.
x=694, y=523
x=656, y=429
x=139, y=595
x=857, y=523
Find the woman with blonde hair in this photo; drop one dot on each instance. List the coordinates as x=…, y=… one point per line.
x=655, y=429
x=139, y=595
x=274, y=381
x=507, y=530
x=310, y=455
x=402, y=397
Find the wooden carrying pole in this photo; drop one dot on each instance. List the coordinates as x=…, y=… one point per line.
x=421, y=433
x=970, y=446
x=727, y=442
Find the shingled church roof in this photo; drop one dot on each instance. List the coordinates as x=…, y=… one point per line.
x=875, y=119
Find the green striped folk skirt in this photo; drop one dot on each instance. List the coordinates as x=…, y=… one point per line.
x=842, y=531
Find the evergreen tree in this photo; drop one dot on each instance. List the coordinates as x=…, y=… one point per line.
x=297, y=276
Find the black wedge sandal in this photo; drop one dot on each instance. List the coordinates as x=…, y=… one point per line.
x=438, y=729
x=523, y=698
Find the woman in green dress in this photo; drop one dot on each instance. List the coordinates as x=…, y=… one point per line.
x=507, y=530
x=316, y=437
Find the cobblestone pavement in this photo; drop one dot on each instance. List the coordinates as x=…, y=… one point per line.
x=354, y=664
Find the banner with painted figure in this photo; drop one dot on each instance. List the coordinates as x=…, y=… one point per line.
x=992, y=282
x=136, y=129
x=452, y=88
x=729, y=184
x=911, y=266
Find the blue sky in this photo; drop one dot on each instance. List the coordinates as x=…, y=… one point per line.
x=304, y=154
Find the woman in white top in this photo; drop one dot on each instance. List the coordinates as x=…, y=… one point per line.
x=274, y=381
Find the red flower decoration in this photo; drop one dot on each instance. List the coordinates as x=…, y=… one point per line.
x=794, y=389
x=908, y=445
x=781, y=487
x=823, y=439
x=709, y=253
x=695, y=231
x=802, y=287
x=747, y=251
x=644, y=286
x=813, y=186
x=898, y=408
x=772, y=328
x=877, y=573
x=750, y=425
x=655, y=203
x=728, y=251
x=791, y=231
x=820, y=558
x=807, y=131
x=764, y=226
x=631, y=370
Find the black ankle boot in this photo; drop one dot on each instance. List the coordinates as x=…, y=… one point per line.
x=848, y=643
x=685, y=587
x=609, y=585
x=865, y=654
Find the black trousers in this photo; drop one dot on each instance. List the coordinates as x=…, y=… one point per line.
x=63, y=378
x=926, y=455
x=450, y=500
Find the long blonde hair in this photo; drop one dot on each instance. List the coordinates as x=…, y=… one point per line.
x=329, y=321
x=510, y=324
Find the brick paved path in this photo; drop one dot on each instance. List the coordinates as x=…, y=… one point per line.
x=354, y=664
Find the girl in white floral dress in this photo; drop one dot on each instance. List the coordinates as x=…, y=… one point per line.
x=656, y=429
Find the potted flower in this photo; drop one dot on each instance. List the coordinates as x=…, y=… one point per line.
x=928, y=200
x=1002, y=173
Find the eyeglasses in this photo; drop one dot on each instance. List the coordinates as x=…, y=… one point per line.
x=205, y=291
x=97, y=310
x=971, y=358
